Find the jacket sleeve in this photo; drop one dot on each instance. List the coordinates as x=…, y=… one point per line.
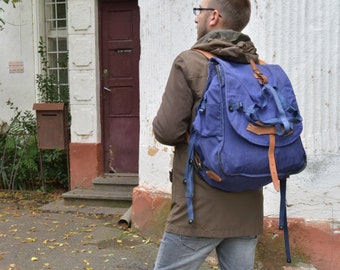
x=183, y=91
x=174, y=115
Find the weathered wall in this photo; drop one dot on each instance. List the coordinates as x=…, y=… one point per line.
x=167, y=28
x=303, y=37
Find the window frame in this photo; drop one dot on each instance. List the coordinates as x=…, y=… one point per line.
x=56, y=37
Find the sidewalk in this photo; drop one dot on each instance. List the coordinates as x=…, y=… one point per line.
x=55, y=236
x=66, y=238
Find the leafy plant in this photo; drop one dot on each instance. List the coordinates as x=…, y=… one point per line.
x=22, y=165
x=55, y=168
x=12, y=1
x=49, y=88
x=18, y=150
x=47, y=84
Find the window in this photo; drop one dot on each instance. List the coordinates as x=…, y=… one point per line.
x=56, y=44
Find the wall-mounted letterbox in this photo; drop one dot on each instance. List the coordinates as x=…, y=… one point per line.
x=51, y=125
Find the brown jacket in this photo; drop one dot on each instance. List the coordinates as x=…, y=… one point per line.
x=218, y=213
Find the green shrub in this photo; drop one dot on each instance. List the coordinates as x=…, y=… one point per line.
x=22, y=165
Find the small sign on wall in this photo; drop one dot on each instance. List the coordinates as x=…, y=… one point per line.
x=16, y=66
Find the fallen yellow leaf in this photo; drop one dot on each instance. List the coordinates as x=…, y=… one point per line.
x=34, y=259
x=29, y=239
x=87, y=231
x=48, y=240
x=148, y=241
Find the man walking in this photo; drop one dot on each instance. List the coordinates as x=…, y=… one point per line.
x=224, y=221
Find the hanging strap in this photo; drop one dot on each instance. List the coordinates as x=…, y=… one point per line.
x=283, y=224
x=189, y=177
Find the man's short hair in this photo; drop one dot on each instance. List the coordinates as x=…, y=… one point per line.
x=235, y=13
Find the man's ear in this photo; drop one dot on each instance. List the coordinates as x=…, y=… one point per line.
x=215, y=18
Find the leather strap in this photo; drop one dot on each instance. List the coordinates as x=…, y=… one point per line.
x=258, y=74
x=206, y=54
x=270, y=131
x=260, y=129
x=214, y=176
x=272, y=163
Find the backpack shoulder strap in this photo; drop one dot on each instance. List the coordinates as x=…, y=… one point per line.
x=208, y=55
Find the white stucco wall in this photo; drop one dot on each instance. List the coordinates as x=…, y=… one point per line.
x=17, y=45
x=303, y=37
x=167, y=28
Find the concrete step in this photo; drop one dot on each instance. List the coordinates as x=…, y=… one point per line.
x=98, y=198
x=116, y=182
x=109, y=190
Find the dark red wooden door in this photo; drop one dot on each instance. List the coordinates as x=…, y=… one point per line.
x=120, y=47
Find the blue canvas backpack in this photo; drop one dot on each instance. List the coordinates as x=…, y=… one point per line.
x=246, y=132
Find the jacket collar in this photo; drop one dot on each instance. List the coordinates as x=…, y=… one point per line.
x=228, y=45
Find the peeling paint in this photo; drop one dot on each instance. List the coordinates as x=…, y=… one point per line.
x=152, y=150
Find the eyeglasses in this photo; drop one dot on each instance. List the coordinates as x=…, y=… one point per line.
x=197, y=11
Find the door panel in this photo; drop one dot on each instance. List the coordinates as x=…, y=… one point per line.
x=120, y=85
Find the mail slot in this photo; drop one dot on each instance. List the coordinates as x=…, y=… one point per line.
x=51, y=125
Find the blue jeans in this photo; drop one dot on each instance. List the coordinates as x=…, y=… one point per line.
x=178, y=252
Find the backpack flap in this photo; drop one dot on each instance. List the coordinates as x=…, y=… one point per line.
x=250, y=102
x=269, y=115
